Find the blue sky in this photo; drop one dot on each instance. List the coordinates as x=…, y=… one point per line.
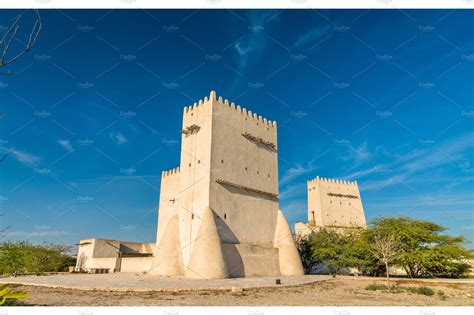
x=94, y=112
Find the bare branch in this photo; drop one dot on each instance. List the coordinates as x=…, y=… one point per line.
x=7, y=57
x=5, y=156
x=3, y=230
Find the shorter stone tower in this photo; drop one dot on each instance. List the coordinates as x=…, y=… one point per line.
x=334, y=204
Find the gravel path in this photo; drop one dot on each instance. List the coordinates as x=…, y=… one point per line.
x=142, y=282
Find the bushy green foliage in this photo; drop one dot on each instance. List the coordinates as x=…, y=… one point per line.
x=9, y=297
x=397, y=289
x=441, y=295
x=420, y=290
x=329, y=247
x=342, y=249
x=375, y=287
x=416, y=246
x=422, y=250
x=23, y=257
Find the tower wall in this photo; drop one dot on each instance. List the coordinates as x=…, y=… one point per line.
x=335, y=203
x=168, y=199
x=244, y=175
x=194, y=172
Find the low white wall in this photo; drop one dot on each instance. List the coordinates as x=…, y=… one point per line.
x=136, y=264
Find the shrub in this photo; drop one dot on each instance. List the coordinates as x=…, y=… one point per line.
x=441, y=295
x=398, y=289
x=420, y=290
x=375, y=287
x=23, y=257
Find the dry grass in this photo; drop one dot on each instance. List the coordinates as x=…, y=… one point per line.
x=342, y=291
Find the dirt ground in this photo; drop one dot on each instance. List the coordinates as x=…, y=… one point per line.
x=342, y=291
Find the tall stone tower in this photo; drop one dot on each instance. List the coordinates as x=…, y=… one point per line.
x=332, y=203
x=219, y=214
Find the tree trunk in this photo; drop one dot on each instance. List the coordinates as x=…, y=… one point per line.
x=387, y=272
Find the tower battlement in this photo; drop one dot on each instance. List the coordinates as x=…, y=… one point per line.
x=244, y=113
x=323, y=180
x=170, y=172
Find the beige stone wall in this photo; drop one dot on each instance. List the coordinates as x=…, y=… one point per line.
x=332, y=203
x=95, y=254
x=194, y=173
x=100, y=253
x=105, y=248
x=107, y=263
x=136, y=264
x=245, y=260
x=168, y=199
x=244, y=216
x=302, y=228
x=84, y=255
x=335, y=203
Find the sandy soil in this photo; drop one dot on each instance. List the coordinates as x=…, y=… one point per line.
x=342, y=291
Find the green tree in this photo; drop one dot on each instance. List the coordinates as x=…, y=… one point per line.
x=13, y=257
x=384, y=246
x=421, y=248
x=338, y=249
x=418, y=247
x=358, y=254
x=48, y=258
x=23, y=257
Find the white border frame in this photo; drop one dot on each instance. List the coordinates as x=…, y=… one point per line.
x=238, y=4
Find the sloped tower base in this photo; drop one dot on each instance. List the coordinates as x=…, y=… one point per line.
x=290, y=262
x=168, y=260
x=207, y=259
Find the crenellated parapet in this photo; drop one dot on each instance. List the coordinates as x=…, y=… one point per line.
x=197, y=105
x=213, y=100
x=322, y=180
x=174, y=171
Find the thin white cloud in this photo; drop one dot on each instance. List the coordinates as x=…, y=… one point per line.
x=293, y=190
x=251, y=48
x=379, y=184
x=313, y=35
x=66, y=145
x=292, y=173
x=449, y=152
x=118, y=137
x=297, y=171
x=241, y=50
x=36, y=234
x=362, y=173
x=357, y=156
x=23, y=157
x=421, y=166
